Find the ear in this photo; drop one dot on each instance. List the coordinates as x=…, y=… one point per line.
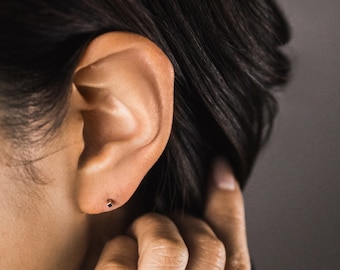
x=126, y=82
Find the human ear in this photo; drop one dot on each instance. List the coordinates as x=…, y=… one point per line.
x=126, y=83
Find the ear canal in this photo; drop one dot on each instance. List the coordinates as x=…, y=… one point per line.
x=129, y=91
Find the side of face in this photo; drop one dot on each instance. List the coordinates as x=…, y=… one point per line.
x=117, y=126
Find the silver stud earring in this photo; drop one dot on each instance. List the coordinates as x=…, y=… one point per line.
x=109, y=203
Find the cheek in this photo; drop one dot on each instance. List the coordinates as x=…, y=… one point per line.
x=60, y=159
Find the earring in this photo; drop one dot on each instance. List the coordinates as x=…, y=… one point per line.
x=109, y=203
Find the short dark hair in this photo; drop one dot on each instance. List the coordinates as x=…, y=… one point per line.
x=226, y=58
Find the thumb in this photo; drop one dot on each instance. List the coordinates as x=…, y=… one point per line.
x=224, y=211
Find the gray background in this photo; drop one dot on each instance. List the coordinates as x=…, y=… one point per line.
x=292, y=199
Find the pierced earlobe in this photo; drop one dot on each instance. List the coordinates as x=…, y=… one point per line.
x=109, y=203
x=127, y=83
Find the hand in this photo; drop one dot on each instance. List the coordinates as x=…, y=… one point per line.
x=225, y=214
x=157, y=242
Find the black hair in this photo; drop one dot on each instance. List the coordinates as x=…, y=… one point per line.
x=226, y=55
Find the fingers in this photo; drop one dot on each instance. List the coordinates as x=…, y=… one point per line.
x=205, y=249
x=121, y=253
x=160, y=245
x=157, y=243
x=164, y=245
x=225, y=214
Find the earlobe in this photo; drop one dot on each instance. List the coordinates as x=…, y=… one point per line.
x=127, y=83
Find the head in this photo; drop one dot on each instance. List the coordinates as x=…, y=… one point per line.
x=97, y=97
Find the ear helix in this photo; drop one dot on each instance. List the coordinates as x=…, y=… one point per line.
x=127, y=82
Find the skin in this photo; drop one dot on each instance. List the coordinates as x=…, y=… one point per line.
x=54, y=224
x=184, y=242
x=177, y=242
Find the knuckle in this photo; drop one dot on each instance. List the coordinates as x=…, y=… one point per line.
x=114, y=259
x=239, y=261
x=168, y=246
x=210, y=243
x=169, y=253
x=164, y=245
x=211, y=248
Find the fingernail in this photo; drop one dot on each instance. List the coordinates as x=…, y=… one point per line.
x=223, y=175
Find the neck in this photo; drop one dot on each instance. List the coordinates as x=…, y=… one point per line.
x=106, y=226
x=31, y=239
x=36, y=232
x=41, y=229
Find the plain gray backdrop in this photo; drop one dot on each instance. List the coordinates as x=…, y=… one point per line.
x=292, y=199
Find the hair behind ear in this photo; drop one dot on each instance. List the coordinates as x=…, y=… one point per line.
x=225, y=54
x=227, y=59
